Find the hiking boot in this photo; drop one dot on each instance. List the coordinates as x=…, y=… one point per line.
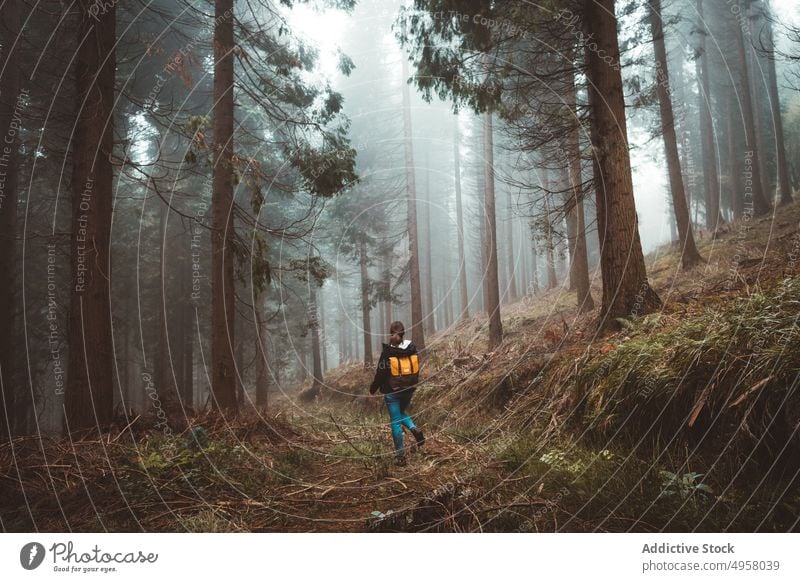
x=400, y=460
x=420, y=438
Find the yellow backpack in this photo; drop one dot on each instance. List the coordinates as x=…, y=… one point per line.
x=403, y=371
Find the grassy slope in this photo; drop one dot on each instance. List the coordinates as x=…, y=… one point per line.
x=683, y=420
x=689, y=415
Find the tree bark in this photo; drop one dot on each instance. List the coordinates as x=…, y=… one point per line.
x=512, y=275
x=262, y=359
x=239, y=360
x=492, y=282
x=690, y=256
x=534, y=262
x=11, y=400
x=164, y=363
x=387, y=305
x=89, y=398
x=342, y=351
x=323, y=336
x=127, y=330
x=315, y=344
x=710, y=170
x=223, y=373
x=462, y=263
x=187, y=335
x=626, y=290
x=178, y=346
x=571, y=229
x=759, y=201
x=448, y=299
x=365, y=307
x=552, y=278
x=303, y=363
x=579, y=267
x=737, y=201
x=682, y=130
x=480, y=182
x=757, y=89
x=430, y=306
x=775, y=108
x=416, y=329
x=524, y=258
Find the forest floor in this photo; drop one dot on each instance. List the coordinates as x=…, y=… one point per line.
x=686, y=419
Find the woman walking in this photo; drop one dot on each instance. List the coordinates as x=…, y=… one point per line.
x=396, y=378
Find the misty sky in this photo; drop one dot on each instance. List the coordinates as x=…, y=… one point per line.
x=325, y=29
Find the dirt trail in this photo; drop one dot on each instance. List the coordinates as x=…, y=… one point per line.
x=327, y=466
x=349, y=491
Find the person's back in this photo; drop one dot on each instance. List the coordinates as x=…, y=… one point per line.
x=401, y=362
x=396, y=378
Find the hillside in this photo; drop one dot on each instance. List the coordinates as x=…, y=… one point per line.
x=685, y=419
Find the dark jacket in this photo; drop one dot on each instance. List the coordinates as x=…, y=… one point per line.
x=381, y=381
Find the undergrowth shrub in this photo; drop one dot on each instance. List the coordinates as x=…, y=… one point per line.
x=727, y=376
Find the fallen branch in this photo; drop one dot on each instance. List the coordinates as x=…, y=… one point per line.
x=347, y=438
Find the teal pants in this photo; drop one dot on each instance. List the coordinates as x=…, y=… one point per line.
x=396, y=403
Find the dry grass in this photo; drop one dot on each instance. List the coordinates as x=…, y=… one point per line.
x=559, y=429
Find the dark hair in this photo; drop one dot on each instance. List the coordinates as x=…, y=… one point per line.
x=397, y=327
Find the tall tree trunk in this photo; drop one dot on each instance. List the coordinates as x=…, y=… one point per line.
x=673, y=229
x=759, y=201
x=462, y=263
x=552, y=279
x=571, y=229
x=579, y=268
x=187, y=336
x=223, y=374
x=164, y=362
x=682, y=130
x=11, y=410
x=239, y=359
x=430, y=306
x=127, y=330
x=315, y=345
x=304, y=365
x=387, y=305
x=534, y=261
x=757, y=89
x=484, y=243
x=352, y=342
x=737, y=201
x=178, y=346
x=625, y=287
x=342, y=342
x=775, y=108
x=262, y=359
x=566, y=253
x=89, y=398
x=416, y=330
x=710, y=171
x=583, y=282
x=512, y=275
x=492, y=283
x=524, y=258
x=448, y=299
x=690, y=256
x=348, y=347
x=385, y=320
x=323, y=336
x=365, y=307
x=480, y=195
